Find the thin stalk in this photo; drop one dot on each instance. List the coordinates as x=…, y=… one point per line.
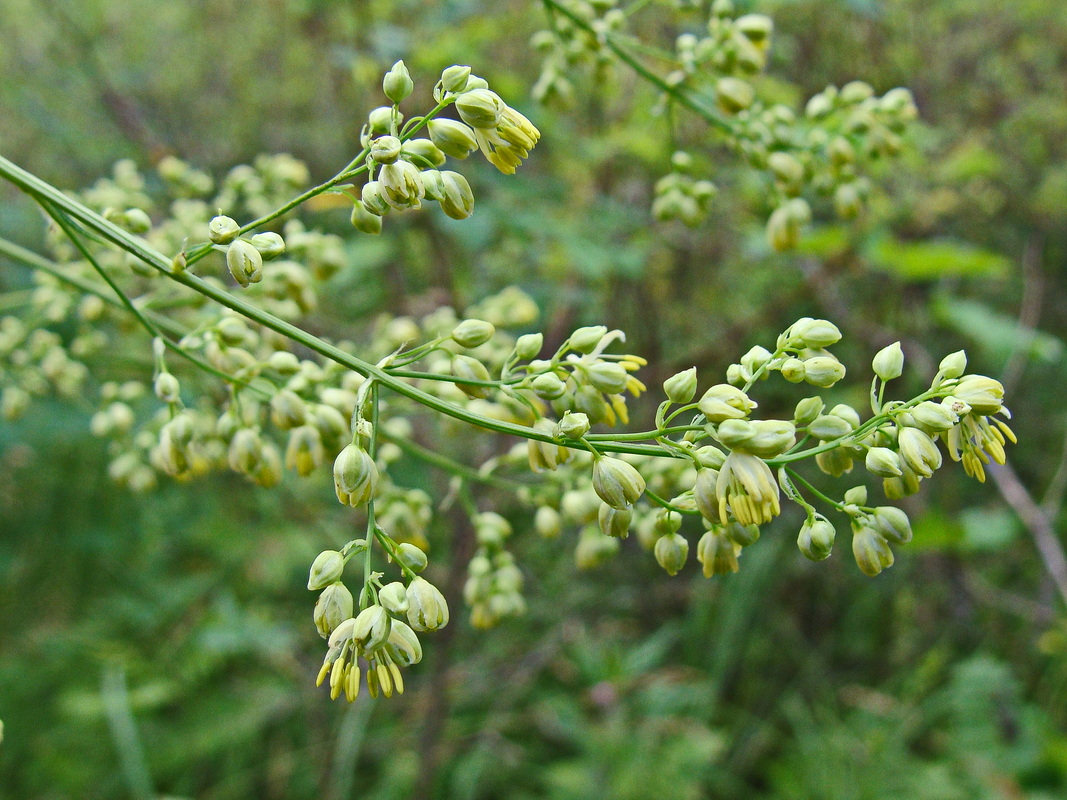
x=610, y=42
x=153, y=330
x=136, y=246
x=38, y=262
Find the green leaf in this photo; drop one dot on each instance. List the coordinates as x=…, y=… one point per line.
x=998, y=334
x=930, y=260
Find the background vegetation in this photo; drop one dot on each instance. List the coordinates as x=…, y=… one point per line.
x=163, y=645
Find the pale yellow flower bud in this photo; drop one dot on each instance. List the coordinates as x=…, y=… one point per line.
x=411, y=556
x=325, y=569
x=883, y=462
x=681, y=388
x=717, y=553
x=472, y=332
x=816, y=539
x=616, y=482
x=919, y=451
x=355, y=476
x=244, y=262
x=371, y=628
x=332, y=608
x=871, y=551
x=270, y=245
x=222, y=229
x=397, y=83
x=889, y=362
x=452, y=137
x=672, y=551
x=480, y=108
x=427, y=609
x=614, y=521
x=892, y=524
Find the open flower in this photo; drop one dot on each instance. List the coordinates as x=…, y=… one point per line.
x=509, y=142
x=976, y=440
x=747, y=490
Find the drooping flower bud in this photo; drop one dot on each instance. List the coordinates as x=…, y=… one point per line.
x=672, y=551
x=423, y=152
x=614, y=521
x=953, y=365
x=528, y=346
x=287, y=410
x=823, y=371
x=871, y=551
x=717, y=553
x=371, y=628
x=808, y=410
x=744, y=535
x=892, y=523
x=480, y=108
x=607, y=376
x=167, y=388
x=332, y=608
x=984, y=395
x=548, y=386
x=385, y=149
x=373, y=202
x=403, y=645
x=734, y=94
x=456, y=198
x=427, y=609
x=936, y=417
x=616, y=482
x=883, y=462
x=585, y=340
x=355, y=476
x=574, y=425
x=244, y=262
x=411, y=556
x=792, y=370
x=325, y=569
x=455, y=78
x=304, y=451
x=401, y=186
x=722, y=402
x=364, y=221
x=470, y=369
x=704, y=494
x=816, y=539
x=919, y=451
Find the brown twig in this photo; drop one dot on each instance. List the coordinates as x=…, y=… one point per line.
x=1036, y=521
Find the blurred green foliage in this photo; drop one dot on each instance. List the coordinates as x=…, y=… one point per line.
x=163, y=645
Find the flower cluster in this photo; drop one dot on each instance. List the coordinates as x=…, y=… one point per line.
x=822, y=152
x=236, y=385
x=403, y=171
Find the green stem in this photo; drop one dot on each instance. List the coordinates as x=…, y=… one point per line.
x=446, y=464
x=796, y=476
x=136, y=246
x=61, y=220
x=659, y=501
x=202, y=250
x=390, y=547
x=610, y=42
x=38, y=262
